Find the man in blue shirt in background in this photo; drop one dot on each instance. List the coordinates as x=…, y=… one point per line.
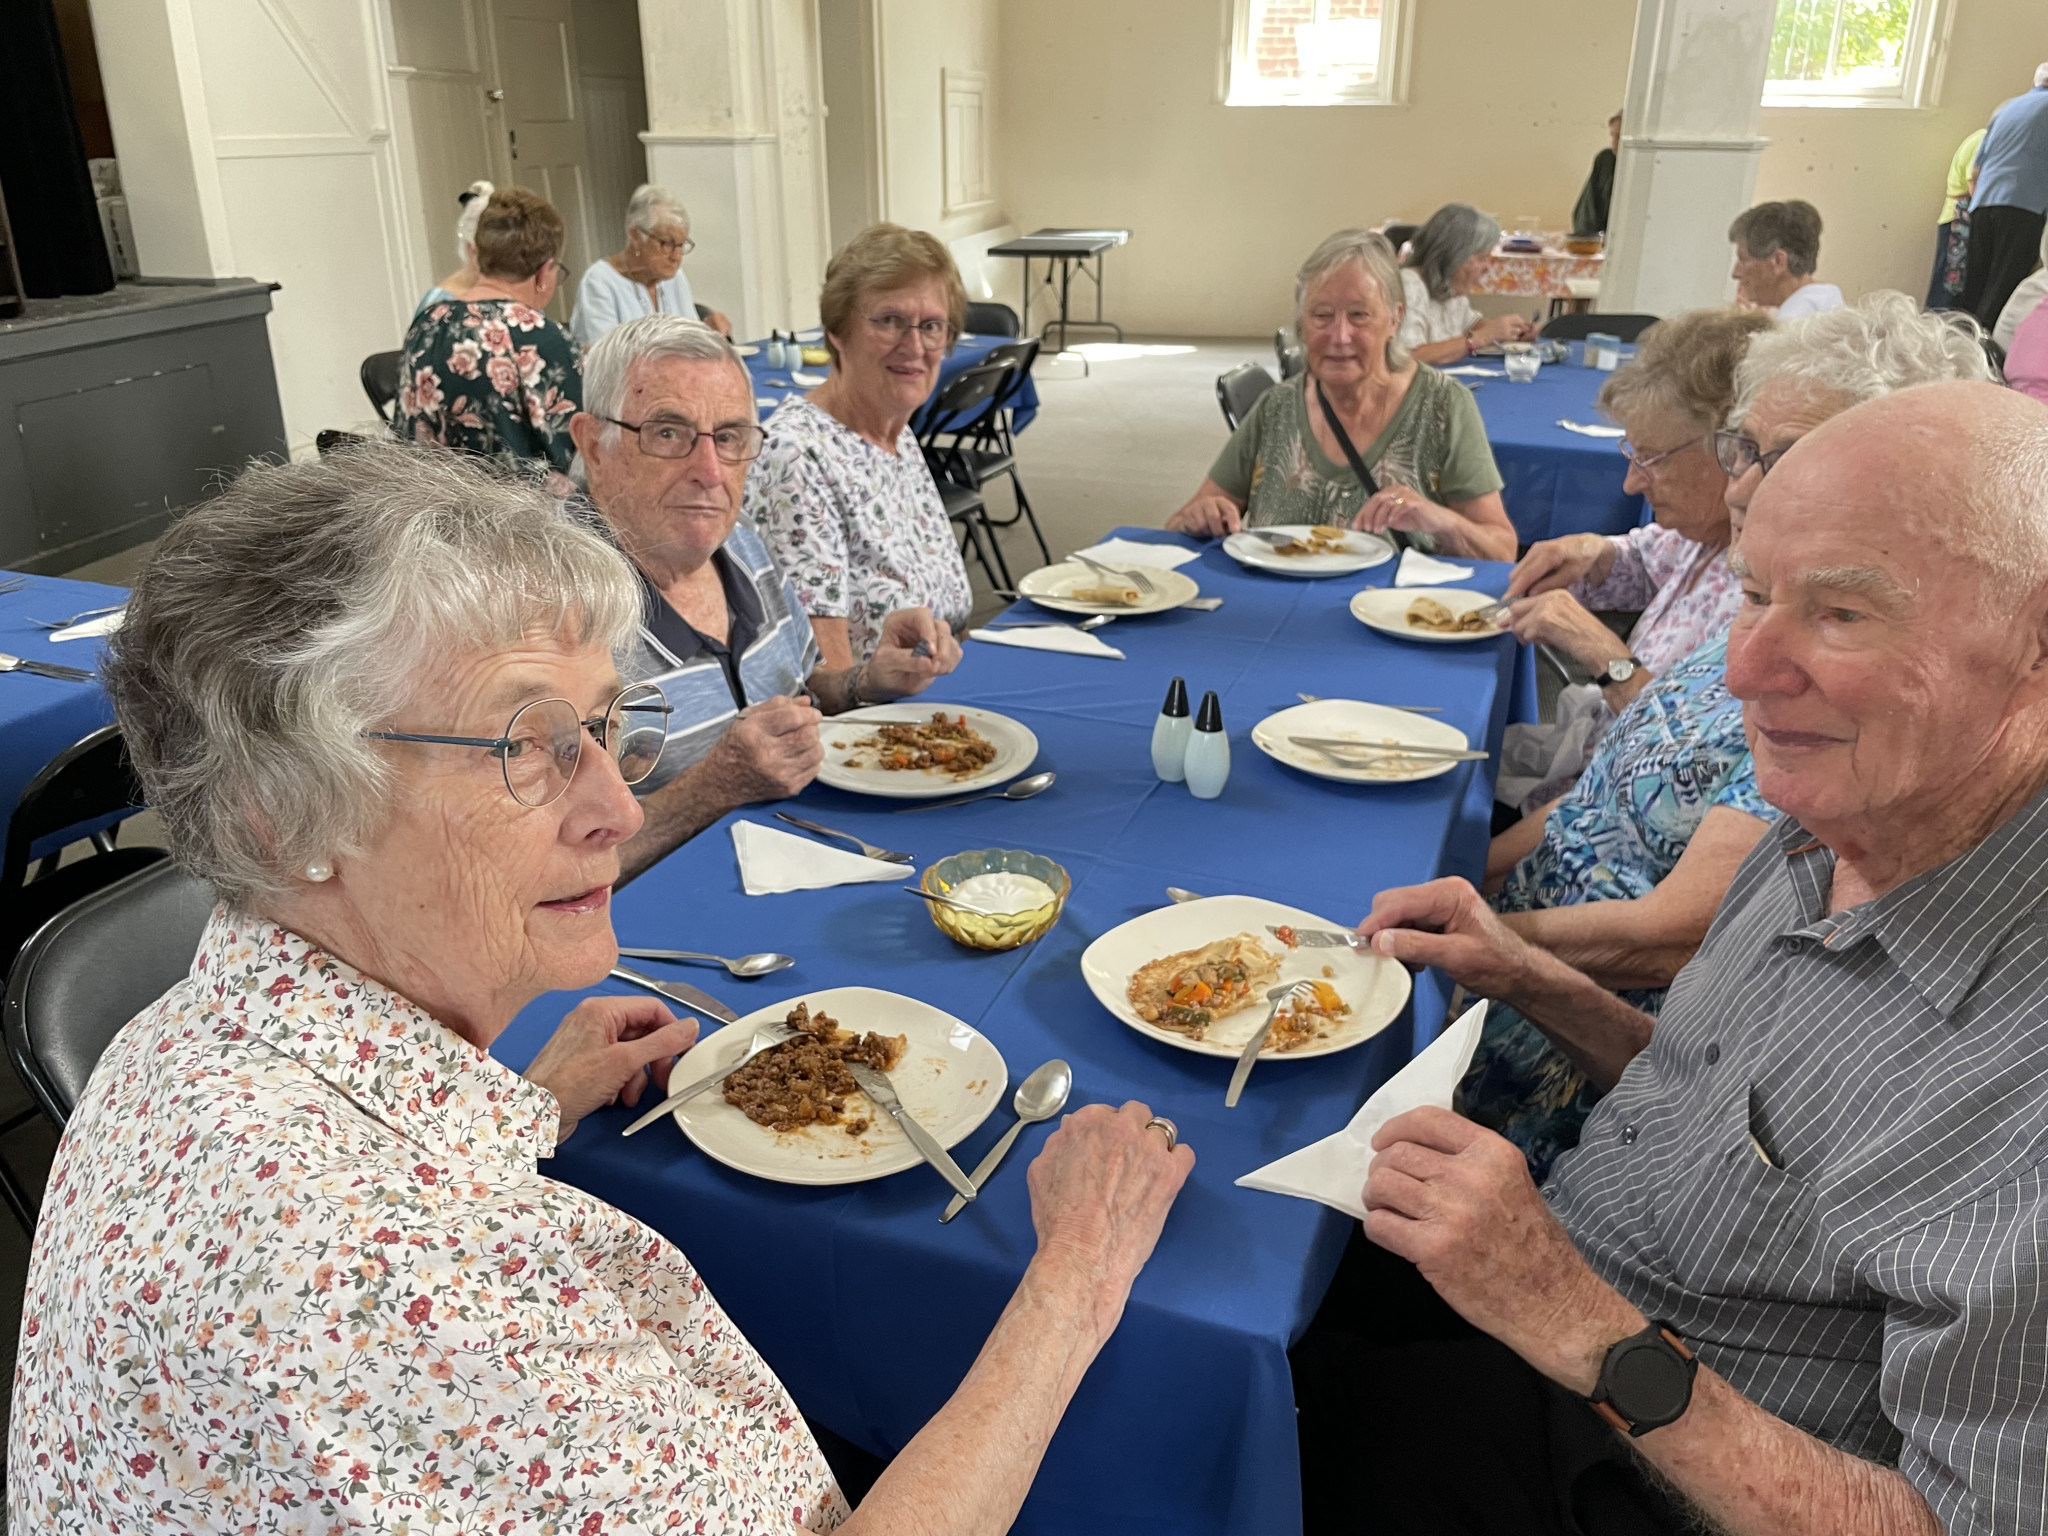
x=2010, y=199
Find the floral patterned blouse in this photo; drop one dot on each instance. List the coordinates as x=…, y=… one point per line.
x=490, y=376
x=296, y=1271
x=1677, y=752
x=860, y=532
x=1684, y=590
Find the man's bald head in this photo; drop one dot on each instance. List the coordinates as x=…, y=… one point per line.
x=1961, y=468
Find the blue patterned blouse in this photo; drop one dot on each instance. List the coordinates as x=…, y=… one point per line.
x=1676, y=753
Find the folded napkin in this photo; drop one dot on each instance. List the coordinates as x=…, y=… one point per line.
x=1154, y=557
x=1333, y=1170
x=766, y=402
x=1474, y=371
x=93, y=629
x=1594, y=431
x=1419, y=570
x=1074, y=642
x=772, y=861
x=807, y=380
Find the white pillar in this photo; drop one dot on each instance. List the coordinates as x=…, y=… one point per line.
x=1689, y=152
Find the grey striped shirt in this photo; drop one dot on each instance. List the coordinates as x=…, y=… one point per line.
x=1829, y=1168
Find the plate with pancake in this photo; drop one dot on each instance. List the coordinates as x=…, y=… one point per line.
x=918, y=750
x=1436, y=615
x=1071, y=587
x=1308, y=550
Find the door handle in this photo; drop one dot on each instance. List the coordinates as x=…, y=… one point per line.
x=494, y=95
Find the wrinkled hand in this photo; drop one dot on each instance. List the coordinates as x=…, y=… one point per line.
x=1503, y=328
x=1561, y=620
x=1558, y=563
x=895, y=669
x=771, y=751
x=1208, y=517
x=1397, y=506
x=1100, y=1192
x=1457, y=1201
x=1447, y=924
x=605, y=1051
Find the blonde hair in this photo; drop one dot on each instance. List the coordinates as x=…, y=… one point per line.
x=1371, y=250
x=881, y=259
x=1686, y=366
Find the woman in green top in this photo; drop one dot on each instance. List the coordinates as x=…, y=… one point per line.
x=1418, y=432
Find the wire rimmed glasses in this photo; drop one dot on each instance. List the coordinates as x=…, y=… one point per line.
x=543, y=742
x=931, y=334
x=1647, y=462
x=665, y=437
x=672, y=245
x=1735, y=453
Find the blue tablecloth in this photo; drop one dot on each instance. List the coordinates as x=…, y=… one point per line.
x=772, y=384
x=870, y=1309
x=1558, y=482
x=41, y=716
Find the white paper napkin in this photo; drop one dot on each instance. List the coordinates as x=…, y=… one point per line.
x=772, y=861
x=92, y=629
x=766, y=402
x=1590, y=431
x=1419, y=570
x=1072, y=642
x=1155, y=557
x=1474, y=371
x=806, y=380
x=1333, y=1170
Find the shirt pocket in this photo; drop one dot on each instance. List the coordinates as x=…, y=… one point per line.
x=1742, y=1224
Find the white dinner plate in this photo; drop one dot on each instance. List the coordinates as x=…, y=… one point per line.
x=1016, y=749
x=1353, y=720
x=949, y=1079
x=1048, y=585
x=1360, y=552
x=746, y=349
x=1386, y=610
x=1374, y=986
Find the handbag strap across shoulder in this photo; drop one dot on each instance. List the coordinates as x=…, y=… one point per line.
x=1357, y=461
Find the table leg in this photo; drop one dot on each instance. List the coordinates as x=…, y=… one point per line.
x=1025, y=329
x=1109, y=324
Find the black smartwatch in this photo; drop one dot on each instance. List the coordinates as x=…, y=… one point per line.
x=1619, y=671
x=1646, y=1381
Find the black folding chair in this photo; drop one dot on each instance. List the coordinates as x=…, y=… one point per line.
x=1399, y=235
x=988, y=449
x=1238, y=391
x=1292, y=355
x=986, y=319
x=379, y=374
x=958, y=409
x=1579, y=327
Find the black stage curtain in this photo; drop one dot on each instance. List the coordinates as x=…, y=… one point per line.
x=42, y=161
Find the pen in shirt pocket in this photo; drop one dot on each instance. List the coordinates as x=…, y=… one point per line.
x=1756, y=1144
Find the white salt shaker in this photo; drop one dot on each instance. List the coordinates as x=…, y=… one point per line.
x=1208, y=756
x=1170, y=734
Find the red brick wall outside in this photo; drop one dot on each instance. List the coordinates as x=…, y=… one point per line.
x=1274, y=21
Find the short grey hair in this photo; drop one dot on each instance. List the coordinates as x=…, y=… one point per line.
x=1369, y=248
x=608, y=366
x=1882, y=344
x=301, y=607
x=2040, y=75
x=1454, y=234
x=651, y=206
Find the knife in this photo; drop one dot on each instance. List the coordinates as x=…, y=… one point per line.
x=1257, y=1043
x=679, y=992
x=876, y=1086
x=766, y=1038
x=1323, y=938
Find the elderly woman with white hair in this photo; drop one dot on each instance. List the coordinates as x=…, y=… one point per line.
x=456, y=285
x=298, y=1266
x=1439, y=324
x=1367, y=437
x=645, y=278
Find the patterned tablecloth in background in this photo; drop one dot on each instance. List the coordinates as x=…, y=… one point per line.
x=1545, y=273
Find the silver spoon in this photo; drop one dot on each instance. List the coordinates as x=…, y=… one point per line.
x=747, y=966
x=1039, y=1097
x=1023, y=789
x=946, y=901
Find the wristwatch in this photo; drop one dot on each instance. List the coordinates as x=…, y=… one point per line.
x=1619, y=671
x=1646, y=1381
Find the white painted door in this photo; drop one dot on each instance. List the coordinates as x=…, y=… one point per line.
x=533, y=51
x=443, y=58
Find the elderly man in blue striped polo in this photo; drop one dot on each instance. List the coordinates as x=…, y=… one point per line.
x=665, y=440
x=1794, y=1278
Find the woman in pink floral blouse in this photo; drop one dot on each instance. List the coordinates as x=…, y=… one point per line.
x=296, y=1269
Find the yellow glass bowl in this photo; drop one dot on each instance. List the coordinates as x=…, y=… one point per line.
x=1000, y=930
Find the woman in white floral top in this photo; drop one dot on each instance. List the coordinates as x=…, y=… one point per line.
x=841, y=491
x=297, y=1269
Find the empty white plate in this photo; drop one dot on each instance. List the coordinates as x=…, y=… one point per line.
x=1368, y=724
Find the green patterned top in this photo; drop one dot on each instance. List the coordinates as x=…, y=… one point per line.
x=1436, y=444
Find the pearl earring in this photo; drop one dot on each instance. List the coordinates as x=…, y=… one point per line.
x=319, y=870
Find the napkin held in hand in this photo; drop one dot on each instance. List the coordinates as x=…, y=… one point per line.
x=773, y=861
x=1333, y=1170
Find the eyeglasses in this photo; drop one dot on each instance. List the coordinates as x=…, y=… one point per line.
x=684, y=245
x=932, y=334
x=1648, y=462
x=544, y=741
x=662, y=437
x=1735, y=453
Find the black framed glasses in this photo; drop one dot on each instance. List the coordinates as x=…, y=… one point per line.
x=1735, y=453
x=543, y=742
x=931, y=334
x=664, y=437
x=1648, y=462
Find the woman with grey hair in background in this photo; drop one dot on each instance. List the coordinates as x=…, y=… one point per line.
x=1439, y=324
x=297, y=1255
x=1363, y=403
x=646, y=278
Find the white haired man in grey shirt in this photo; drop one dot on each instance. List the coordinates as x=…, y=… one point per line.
x=1797, y=1255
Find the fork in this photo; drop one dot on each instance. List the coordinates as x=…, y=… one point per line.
x=886, y=855
x=13, y=584
x=90, y=613
x=1137, y=579
x=1084, y=626
x=1243, y=1070
x=1413, y=709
